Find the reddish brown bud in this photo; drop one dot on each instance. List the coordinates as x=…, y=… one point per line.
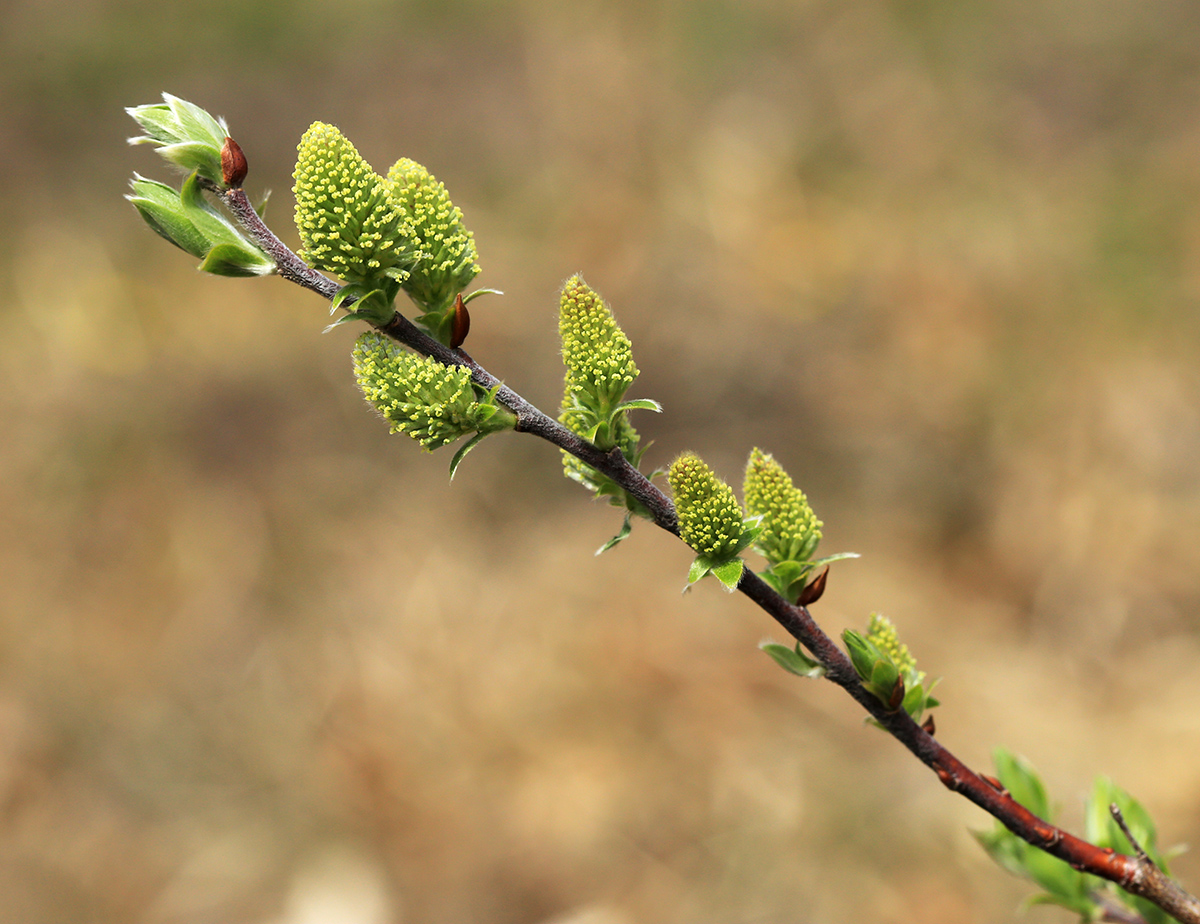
x=928, y=727
x=233, y=164
x=461, y=326
x=994, y=783
x=896, y=699
x=812, y=593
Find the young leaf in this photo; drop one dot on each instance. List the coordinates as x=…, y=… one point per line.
x=1018, y=776
x=793, y=660
x=699, y=569
x=626, y=528
x=463, y=450
x=729, y=573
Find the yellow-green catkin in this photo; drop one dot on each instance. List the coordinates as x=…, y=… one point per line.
x=446, y=257
x=348, y=223
x=596, y=352
x=431, y=402
x=882, y=632
x=790, y=529
x=600, y=369
x=710, y=519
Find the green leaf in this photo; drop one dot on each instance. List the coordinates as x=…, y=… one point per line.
x=184, y=134
x=194, y=122
x=790, y=572
x=639, y=404
x=1085, y=907
x=375, y=308
x=1102, y=829
x=351, y=292
x=194, y=155
x=793, y=660
x=1064, y=886
x=462, y=452
x=160, y=208
x=211, y=223
x=863, y=653
x=478, y=292
x=787, y=578
x=1018, y=776
x=729, y=573
x=775, y=584
x=1005, y=849
x=915, y=702
x=626, y=529
x=234, y=260
x=700, y=567
x=1068, y=886
x=822, y=562
x=884, y=675
x=185, y=218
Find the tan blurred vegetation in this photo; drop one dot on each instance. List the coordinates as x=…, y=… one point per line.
x=259, y=662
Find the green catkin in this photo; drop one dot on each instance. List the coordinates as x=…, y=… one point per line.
x=600, y=368
x=446, y=260
x=791, y=531
x=348, y=223
x=882, y=633
x=431, y=402
x=710, y=519
x=596, y=352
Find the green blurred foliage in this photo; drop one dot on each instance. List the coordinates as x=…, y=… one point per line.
x=941, y=259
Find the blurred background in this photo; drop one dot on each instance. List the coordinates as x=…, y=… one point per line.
x=260, y=662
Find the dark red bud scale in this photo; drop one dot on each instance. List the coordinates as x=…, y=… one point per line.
x=461, y=325
x=233, y=164
x=896, y=699
x=812, y=593
x=928, y=726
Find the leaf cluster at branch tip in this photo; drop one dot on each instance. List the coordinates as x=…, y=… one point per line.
x=887, y=669
x=184, y=218
x=184, y=134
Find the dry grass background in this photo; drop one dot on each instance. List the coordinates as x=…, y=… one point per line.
x=259, y=662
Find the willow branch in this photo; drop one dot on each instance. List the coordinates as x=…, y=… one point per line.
x=1137, y=875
